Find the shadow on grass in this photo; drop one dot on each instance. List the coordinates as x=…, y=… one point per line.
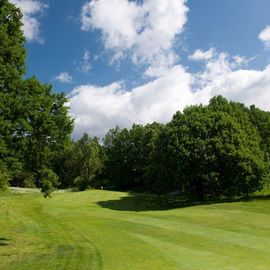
x=144, y=202
x=4, y=241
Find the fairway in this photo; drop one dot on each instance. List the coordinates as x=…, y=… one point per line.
x=119, y=231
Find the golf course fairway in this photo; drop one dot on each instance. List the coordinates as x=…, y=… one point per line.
x=121, y=231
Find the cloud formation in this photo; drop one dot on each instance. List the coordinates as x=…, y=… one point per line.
x=143, y=32
x=64, y=77
x=264, y=36
x=97, y=109
x=31, y=9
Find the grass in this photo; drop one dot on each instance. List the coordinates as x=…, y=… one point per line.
x=121, y=231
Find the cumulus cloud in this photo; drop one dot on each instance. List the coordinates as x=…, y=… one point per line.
x=31, y=9
x=218, y=66
x=97, y=109
x=143, y=32
x=226, y=77
x=64, y=77
x=264, y=36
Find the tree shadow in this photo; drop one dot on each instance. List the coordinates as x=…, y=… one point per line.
x=4, y=241
x=144, y=202
x=261, y=197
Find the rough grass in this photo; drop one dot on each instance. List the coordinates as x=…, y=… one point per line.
x=120, y=231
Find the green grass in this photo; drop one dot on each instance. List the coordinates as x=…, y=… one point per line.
x=120, y=231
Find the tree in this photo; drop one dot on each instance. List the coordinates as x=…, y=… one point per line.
x=12, y=51
x=89, y=155
x=12, y=67
x=34, y=121
x=4, y=176
x=42, y=128
x=128, y=153
x=261, y=120
x=216, y=150
x=80, y=163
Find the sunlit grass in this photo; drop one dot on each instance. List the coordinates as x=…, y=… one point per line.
x=121, y=231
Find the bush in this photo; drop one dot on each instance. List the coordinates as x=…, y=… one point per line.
x=48, y=180
x=4, y=176
x=23, y=179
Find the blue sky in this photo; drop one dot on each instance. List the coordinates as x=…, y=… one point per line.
x=123, y=61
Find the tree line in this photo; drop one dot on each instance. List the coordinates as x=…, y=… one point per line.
x=206, y=151
x=212, y=151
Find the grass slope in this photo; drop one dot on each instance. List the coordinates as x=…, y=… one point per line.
x=118, y=231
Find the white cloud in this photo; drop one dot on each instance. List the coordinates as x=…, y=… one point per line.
x=200, y=55
x=64, y=77
x=31, y=9
x=247, y=86
x=218, y=66
x=144, y=32
x=85, y=65
x=97, y=109
x=264, y=36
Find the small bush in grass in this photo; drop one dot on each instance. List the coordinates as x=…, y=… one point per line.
x=48, y=180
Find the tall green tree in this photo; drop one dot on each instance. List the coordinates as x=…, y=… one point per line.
x=128, y=152
x=261, y=119
x=34, y=121
x=80, y=163
x=217, y=149
x=42, y=128
x=12, y=68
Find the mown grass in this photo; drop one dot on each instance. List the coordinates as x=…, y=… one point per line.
x=121, y=231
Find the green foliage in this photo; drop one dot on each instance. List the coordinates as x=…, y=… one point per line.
x=261, y=120
x=4, y=176
x=216, y=150
x=12, y=51
x=34, y=121
x=12, y=61
x=128, y=154
x=21, y=178
x=205, y=152
x=43, y=128
x=80, y=163
x=48, y=181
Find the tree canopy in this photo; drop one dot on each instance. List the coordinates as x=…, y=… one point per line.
x=34, y=121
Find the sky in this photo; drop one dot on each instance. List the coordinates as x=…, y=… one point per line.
x=122, y=62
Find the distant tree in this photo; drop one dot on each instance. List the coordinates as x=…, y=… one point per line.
x=128, y=153
x=261, y=119
x=80, y=163
x=118, y=167
x=89, y=155
x=163, y=169
x=216, y=150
